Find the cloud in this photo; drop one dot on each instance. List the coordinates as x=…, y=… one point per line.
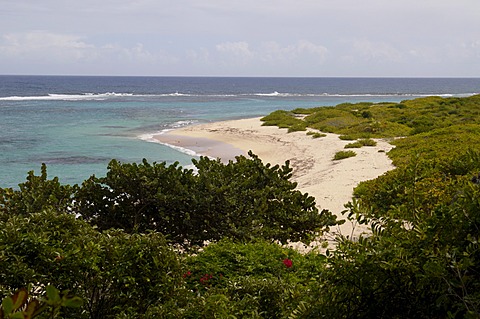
x=270, y=52
x=380, y=51
x=235, y=52
x=52, y=49
x=273, y=52
x=45, y=44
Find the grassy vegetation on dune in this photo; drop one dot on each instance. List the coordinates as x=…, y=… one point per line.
x=386, y=119
x=437, y=144
x=284, y=119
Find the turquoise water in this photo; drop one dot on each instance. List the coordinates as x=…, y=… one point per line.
x=76, y=125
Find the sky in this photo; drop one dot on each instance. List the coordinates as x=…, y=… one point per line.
x=311, y=38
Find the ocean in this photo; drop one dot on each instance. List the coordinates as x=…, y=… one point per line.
x=77, y=124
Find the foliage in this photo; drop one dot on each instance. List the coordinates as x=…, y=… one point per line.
x=343, y=154
x=254, y=280
x=139, y=197
x=19, y=305
x=356, y=144
x=259, y=201
x=244, y=199
x=284, y=119
x=436, y=144
x=361, y=142
x=424, y=250
x=347, y=137
x=366, y=120
x=316, y=134
x=112, y=272
x=36, y=194
x=367, y=142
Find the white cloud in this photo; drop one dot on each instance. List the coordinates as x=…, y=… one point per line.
x=264, y=58
x=201, y=56
x=273, y=52
x=239, y=51
x=53, y=49
x=377, y=51
x=242, y=53
x=45, y=44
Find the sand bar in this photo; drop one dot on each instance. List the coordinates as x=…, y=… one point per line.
x=330, y=182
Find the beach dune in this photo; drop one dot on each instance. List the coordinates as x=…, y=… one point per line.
x=330, y=182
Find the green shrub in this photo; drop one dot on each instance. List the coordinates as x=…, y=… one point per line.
x=297, y=127
x=307, y=111
x=343, y=154
x=347, y=137
x=336, y=124
x=316, y=134
x=21, y=305
x=284, y=119
x=424, y=219
x=361, y=143
x=367, y=142
x=436, y=144
x=257, y=277
x=111, y=272
x=322, y=114
x=354, y=145
x=245, y=199
x=366, y=119
x=376, y=129
x=35, y=194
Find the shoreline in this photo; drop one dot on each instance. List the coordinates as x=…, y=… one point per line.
x=330, y=182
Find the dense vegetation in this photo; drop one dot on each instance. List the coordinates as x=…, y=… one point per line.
x=128, y=244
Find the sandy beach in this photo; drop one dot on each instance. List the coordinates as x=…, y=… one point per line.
x=330, y=182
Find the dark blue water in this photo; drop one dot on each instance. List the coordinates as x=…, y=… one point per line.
x=77, y=124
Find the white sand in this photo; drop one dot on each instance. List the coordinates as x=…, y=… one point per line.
x=330, y=182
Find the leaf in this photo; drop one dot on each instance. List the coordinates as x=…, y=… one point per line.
x=17, y=315
x=7, y=305
x=19, y=298
x=32, y=308
x=53, y=295
x=74, y=302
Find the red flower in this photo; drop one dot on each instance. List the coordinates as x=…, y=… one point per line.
x=204, y=280
x=287, y=262
x=187, y=274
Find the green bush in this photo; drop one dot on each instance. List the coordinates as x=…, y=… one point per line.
x=423, y=251
x=21, y=305
x=297, y=127
x=112, y=272
x=436, y=144
x=284, y=119
x=347, y=137
x=367, y=142
x=354, y=145
x=35, y=194
x=259, y=279
x=316, y=134
x=343, y=154
x=245, y=199
x=360, y=143
x=366, y=120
